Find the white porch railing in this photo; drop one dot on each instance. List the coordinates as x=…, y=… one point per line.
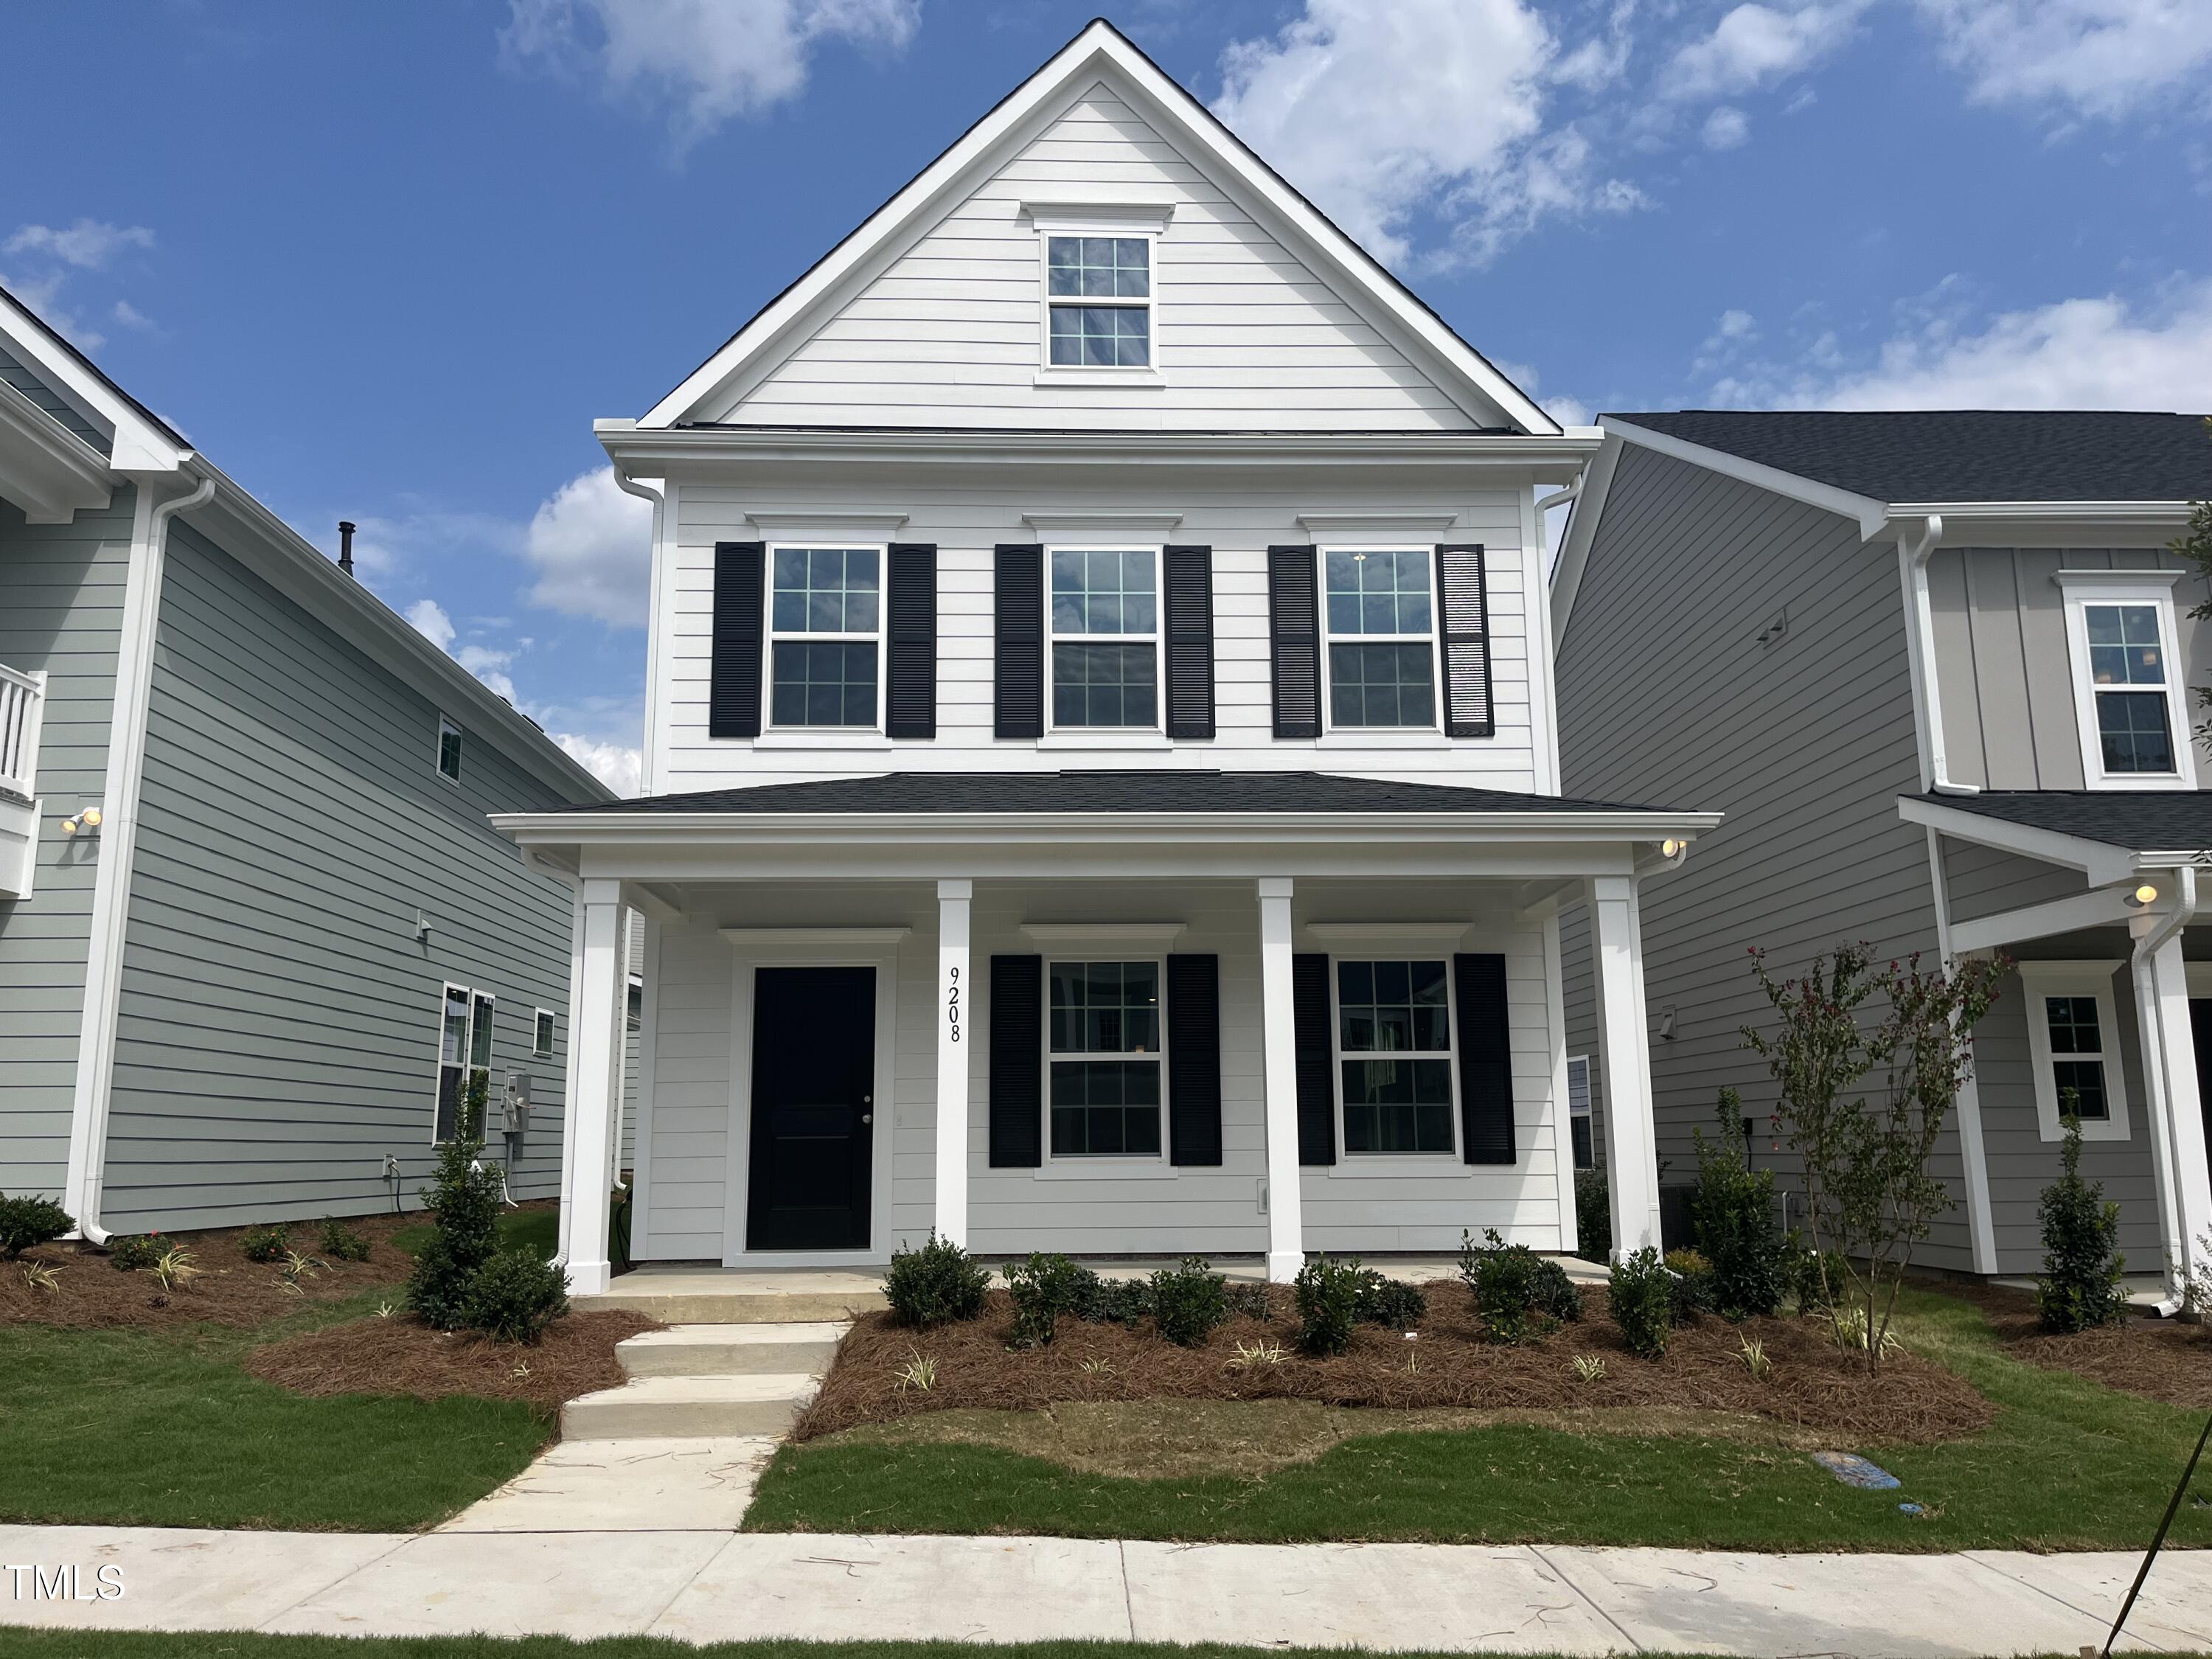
x=21, y=697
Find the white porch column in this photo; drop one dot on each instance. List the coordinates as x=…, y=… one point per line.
x=1279, y=1035
x=600, y=983
x=1631, y=1145
x=954, y=898
x=2176, y=1112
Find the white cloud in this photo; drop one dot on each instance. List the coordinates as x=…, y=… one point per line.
x=1756, y=46
x=1387, y=113
x=591, y=543
x=2097, y=58
x=2093, y=353
x=431, y=621
x=89, y=244
x=1726, y=128
x=618, y=766
x=130, y=316
x=708, y=61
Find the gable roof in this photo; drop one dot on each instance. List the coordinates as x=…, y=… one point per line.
x=1102, y=52
x=1946, y=455
x=2140, y=820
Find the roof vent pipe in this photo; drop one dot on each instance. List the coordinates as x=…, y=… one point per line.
x=345, y=545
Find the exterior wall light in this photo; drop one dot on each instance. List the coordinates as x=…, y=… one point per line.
x=2142, y=896
x=1672, y=849
x=84, y=823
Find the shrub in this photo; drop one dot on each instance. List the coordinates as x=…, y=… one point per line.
x=463, y=1199
x=935, y=1285
x=265, y=1244
x=1113, y=1300
x=1641, y=1298
x=515, y=1296
x=342, y=1244
x=1551, y=1293
x=1593, y=1216
x=2080, y=1286
x=1328, y=1295
x=1813, y=1297
x=1251, y=1302
x=1508, y=1286
x=1043, y=1288
x=130, y=1253
x=1733, y=1210
x=1693, y=1284
x=1188, y=1302
x=1391, y=1302
x=26, y=1221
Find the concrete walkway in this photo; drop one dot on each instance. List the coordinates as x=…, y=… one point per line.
x=712, y=1585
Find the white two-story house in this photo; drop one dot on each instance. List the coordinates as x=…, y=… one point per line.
x=1101, y=765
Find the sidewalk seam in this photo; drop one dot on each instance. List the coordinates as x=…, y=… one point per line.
x=2098, y=1618
x=1128, y=1605
x=729, y=1542
x=400, y=1543
x=1588, y=1601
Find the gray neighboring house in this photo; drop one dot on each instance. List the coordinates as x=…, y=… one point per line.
x=1934, y=667
x=254, y=927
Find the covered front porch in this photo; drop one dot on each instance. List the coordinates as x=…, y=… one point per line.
x=1186, y=1013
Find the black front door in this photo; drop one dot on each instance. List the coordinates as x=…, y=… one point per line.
x=2200, y=1027
x=813, y=1108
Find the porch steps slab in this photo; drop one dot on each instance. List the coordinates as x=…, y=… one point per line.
x=688, y=1408
x=731, y=1350
x=714, y=1296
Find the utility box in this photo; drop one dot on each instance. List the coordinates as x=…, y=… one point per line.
x=514, y=1105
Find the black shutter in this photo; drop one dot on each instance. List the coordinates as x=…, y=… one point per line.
x=1294, y=641
x=1486, y=1058
x=1466, y=642
x=1316, y=1063
x=1194, y=1060
x=1189, y=587
x=910, y=667
x=733, y=685
x=1017, y=1062
x=1017, y=608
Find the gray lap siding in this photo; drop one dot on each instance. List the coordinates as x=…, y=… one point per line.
x=61, y=611
x=279, y=1019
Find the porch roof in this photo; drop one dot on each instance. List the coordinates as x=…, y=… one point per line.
x=2140, y=820
x=1177, y=790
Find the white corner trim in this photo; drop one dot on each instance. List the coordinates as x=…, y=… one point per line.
x=1367, y=524
x=1156, y=933
x=1130, y=523
x=1399, y=932
x=2041, y=979
x=2123, y=580
x=867, y=524
x=1584, y=517
x=754, y=938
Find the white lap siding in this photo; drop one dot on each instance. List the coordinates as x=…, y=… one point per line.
x=693, y=1141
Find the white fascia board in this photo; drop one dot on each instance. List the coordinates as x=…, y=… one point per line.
x=45, y=468
x=1870, y=514
x=138, y=443
x=249, y=532
x=2099, y=861
x=1584, y=517
x=2050, y=524
x=1102, y=50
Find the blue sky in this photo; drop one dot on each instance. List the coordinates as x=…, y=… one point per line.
x=388, y=262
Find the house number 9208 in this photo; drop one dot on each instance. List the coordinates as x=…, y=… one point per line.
x=952, y=1002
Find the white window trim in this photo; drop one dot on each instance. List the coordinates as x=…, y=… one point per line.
x=1356, y=734
x=810, y=734
x=1349, y=1162
x=2083, y=588
x=468, y=1045
x=1108, y=737
x=543, y=1020
x=1140, y=223
x=446, y=723
x=2041, y=979
x=1589, y=1063
x=1064, y=1166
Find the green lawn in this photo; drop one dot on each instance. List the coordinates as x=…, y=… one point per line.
x=61, y=1644
x=2066, y=1465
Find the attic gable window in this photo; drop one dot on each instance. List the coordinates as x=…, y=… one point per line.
x=1098, y=292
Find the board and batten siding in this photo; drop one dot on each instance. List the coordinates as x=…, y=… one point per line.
x=693, y=1140
x=2003, y=662
x=279, y=1019
x=1667, y=694
x=949, y=332
x=61, y=611
x=965, y=522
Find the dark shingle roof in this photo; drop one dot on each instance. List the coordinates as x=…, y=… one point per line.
x=1965, y=454
x=2149, y=820
x=1099, y=790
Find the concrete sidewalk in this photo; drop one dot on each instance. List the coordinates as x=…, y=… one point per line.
x=703, y=1586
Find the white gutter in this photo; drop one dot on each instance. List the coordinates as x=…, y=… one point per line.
x=119, y=849
x=2156, y=1039
x=1913, y=552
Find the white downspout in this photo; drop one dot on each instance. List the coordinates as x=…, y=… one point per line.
x=2165, y=1155
x=118, y=845
x=1913, y=552
x=650, y=734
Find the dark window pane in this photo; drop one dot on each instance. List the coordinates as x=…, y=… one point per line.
x=2131, y=727
x=1381, y=685
x=1105, y=1107
x=822, y=682
x=2086, y=1078
x=1397, y=1106
x=1104, y=685
x=1376, y=592
x=825, y=590
x=1102, y=337
x=1386, y=1007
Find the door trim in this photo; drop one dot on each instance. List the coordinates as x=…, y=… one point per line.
x=831, y=948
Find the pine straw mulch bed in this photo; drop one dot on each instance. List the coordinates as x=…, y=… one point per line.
x=401, y=1355
x=1813, y=1384
x=229, y=1289
x=2160, y=1359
